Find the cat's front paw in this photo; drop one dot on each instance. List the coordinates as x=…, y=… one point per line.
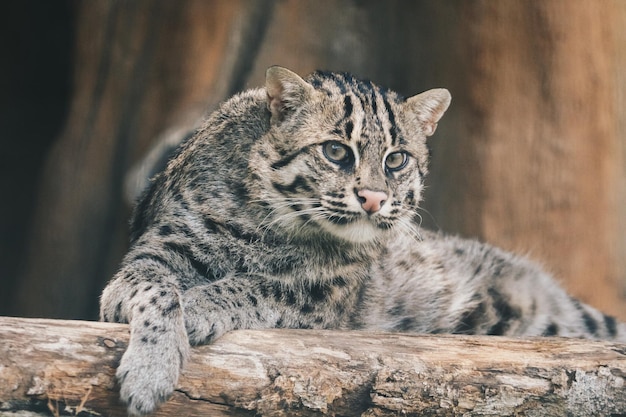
x=147, y=377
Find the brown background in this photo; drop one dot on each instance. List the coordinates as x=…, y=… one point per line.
x=531, y=156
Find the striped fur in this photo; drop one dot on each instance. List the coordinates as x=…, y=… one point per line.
x=295, y=206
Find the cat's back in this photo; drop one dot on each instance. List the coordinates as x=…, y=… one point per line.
x=447, y=284
x=206, y=175
x=220, y=148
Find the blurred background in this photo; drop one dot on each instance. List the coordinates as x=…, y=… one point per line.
x=531, y=156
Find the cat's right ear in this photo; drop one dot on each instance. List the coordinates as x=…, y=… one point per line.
x=286, y=91
x=428, y=107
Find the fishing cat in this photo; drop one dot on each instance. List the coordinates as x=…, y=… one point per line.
x=295, y=206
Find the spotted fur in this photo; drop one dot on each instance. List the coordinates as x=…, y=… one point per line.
x=295, y=206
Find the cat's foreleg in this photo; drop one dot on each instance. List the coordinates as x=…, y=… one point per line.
x=231, y=303
x=145, y=297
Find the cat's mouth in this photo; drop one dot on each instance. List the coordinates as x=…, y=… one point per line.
x=356, y=228
x=342, y=220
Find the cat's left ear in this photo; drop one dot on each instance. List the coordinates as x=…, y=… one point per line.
x=429, y=106
x=286, y=91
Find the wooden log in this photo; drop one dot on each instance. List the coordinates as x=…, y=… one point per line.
x=67, y=367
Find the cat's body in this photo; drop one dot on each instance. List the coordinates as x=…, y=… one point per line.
x=294, y=206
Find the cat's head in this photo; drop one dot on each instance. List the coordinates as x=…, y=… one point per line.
x=342, y=155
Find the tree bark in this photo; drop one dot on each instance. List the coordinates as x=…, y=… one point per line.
x=67, y=367
x=531, y=155
x=140, y=68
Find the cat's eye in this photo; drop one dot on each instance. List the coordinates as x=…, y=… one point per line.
x=396, y=161
x=337, y=152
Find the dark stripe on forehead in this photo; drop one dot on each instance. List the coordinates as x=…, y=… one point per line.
x=347, y=106
x=365, y=87
x=349, y=128
x=342, y=84
x=342, y=129
x=393, y=132
x=374, y=104
x=367, y=94
x=318, y=78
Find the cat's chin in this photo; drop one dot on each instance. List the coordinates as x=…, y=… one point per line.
x=361, y=231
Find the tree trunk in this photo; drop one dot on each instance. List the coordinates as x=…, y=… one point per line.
x=140, y=68
x=67, y=367
x=533, y=158
x=531, y=155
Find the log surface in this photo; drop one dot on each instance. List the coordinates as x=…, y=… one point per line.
x=58, y=367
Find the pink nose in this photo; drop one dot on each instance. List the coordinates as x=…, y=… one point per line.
x=371, y=201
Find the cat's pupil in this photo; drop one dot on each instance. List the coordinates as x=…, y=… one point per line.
x=336, y=152
x=396, y=161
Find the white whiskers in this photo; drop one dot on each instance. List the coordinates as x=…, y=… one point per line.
x=407, y=226
x=293, y=215
x=282, y=214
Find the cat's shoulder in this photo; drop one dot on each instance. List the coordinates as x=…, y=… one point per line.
x=249, y=106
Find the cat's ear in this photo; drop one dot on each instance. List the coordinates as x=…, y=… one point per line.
x=429, y=106
x=286, y=91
